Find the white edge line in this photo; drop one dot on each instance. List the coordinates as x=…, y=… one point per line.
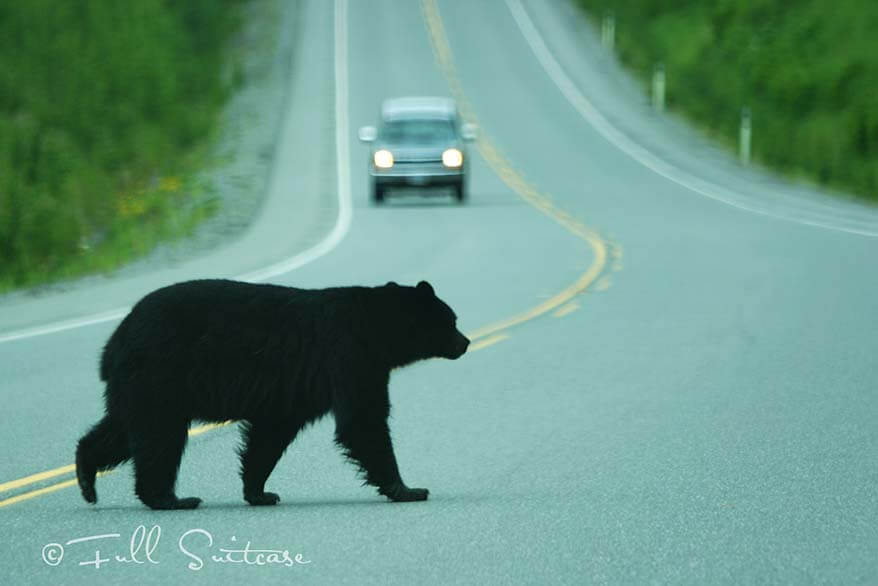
x=62, y=326
x=329, y=242
x=621, y=141
x=342, y=154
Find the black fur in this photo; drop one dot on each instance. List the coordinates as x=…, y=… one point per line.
x=275, y=358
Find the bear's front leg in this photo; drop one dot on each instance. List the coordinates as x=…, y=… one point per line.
x=366, y=441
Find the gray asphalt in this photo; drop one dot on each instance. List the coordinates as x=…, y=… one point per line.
x=704, y=413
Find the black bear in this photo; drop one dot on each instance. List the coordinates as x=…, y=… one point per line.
x=276, y=359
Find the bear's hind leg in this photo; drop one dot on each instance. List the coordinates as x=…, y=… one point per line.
x=264, y=442
x=105, y=446
x=157, y=451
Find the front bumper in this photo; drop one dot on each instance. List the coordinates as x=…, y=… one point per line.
x=417, y=176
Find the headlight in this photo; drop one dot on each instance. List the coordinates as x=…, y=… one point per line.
x=383, y=159
x=452, y=158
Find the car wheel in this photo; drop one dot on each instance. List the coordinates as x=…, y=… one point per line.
x=460, y=192
x=377, y=193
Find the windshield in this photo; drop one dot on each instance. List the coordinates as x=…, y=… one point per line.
x=417, y=131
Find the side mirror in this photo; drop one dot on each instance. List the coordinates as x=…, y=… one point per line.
x=368, y=134
x=469, y=132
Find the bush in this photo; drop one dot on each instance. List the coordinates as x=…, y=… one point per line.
x=99, y=100
x=807, y=70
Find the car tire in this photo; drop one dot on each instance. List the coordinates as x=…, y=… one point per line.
x=377, y=194
x=460, y=192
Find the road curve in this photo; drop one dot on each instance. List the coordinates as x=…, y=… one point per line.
x=665, y=388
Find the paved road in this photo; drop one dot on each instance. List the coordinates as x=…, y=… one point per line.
x=674, y=376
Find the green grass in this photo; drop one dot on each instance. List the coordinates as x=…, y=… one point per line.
x=105, y=111
x=808, y=71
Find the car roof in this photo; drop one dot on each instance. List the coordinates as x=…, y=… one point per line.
x=418, y=107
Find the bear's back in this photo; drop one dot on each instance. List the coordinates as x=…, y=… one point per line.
x=210, y=320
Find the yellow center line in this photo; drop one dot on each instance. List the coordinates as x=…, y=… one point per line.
x=489, y=341
x=13, y=484
x=207, y=427
x=38, y=492
x=485, y=336
x=529, y=193
x=68, y=469
x=565, y=309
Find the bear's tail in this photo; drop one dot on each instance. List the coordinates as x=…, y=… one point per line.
x=105, y=446
x=115, y=345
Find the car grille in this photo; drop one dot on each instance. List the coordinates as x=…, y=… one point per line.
x=418, y=161
x=420, y=167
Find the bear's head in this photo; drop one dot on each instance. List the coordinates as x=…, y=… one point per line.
x=426, y=326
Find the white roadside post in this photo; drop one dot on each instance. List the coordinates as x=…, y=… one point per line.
x=744, y=137
x=608, y=31
x=658, y=87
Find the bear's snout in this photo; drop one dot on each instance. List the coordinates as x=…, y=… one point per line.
x=460, y=346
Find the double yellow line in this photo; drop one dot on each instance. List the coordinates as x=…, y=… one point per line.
x=542, y=201
x=63, y=471
x=481, y=338
x=484, y=342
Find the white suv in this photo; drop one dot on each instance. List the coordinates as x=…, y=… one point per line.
x=420, y=143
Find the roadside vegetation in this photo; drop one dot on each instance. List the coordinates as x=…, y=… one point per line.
x=106, y=109
x=808, y=71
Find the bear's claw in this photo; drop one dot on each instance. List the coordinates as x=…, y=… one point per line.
x=404, y=494
x=173, y=503
x=263, y=499
x=89, y=494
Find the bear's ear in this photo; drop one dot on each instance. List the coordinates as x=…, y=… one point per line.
x=425, y=287
x=391, y=284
